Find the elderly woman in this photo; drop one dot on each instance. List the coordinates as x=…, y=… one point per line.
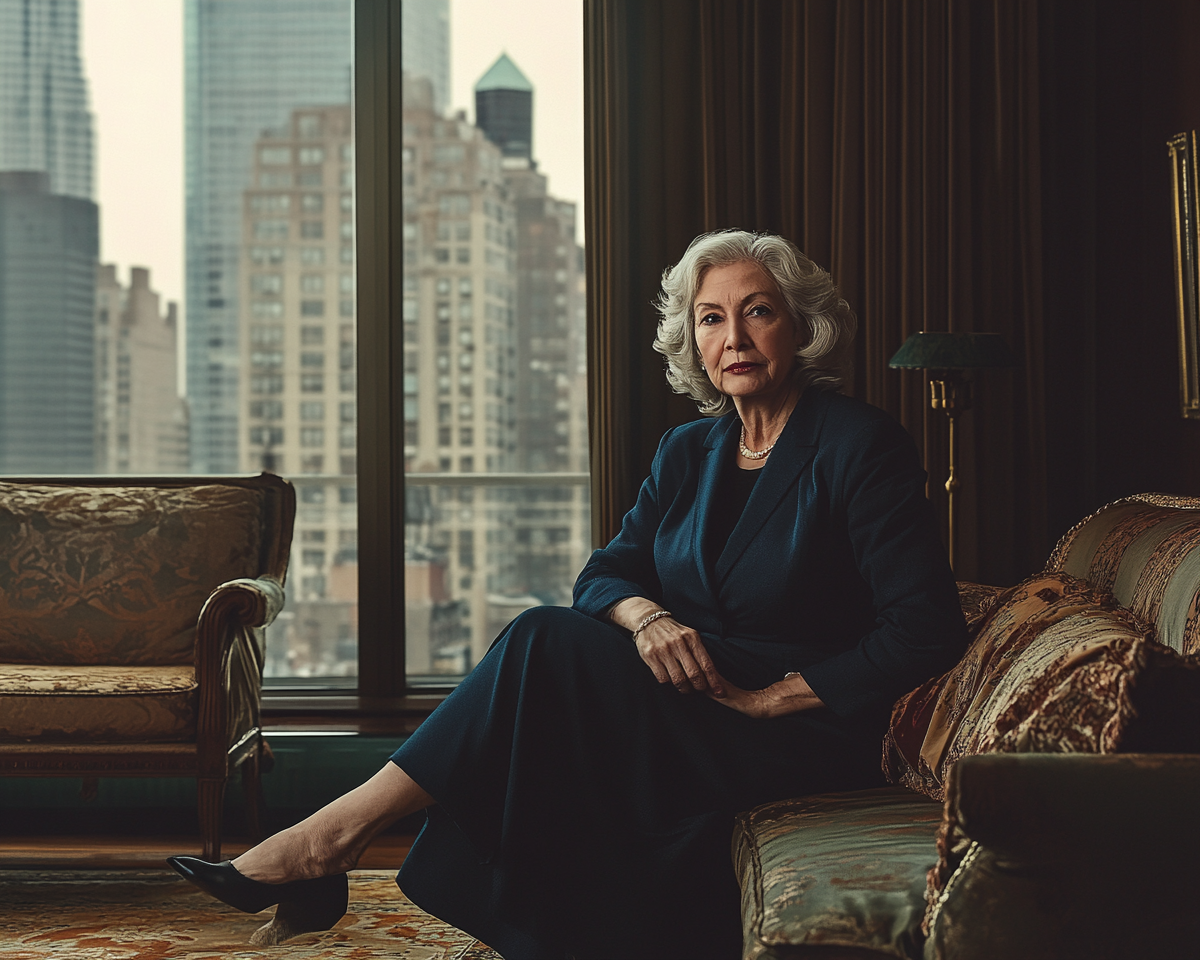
x=778, y=583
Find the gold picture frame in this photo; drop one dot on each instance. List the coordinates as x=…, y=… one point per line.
x=1186, y=206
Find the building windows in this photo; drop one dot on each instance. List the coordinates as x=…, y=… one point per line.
x=312, y=283
x=270, y=203
x=311, y=229
x=271, y=383
x=312, y=308
x=266, y=336
x=266, y=284
x=267, y=309
x=270, y=229
x=266, y=256
x=312, y=256
x=312, y=436
x=310, y=156
x=312, y=336
x=266, y=410
x=275, y=156
x=312, y=203
x=310, y=383
x=312, y=410
x=268, y=436
x=312, y=359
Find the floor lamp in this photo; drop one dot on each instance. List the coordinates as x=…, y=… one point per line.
x=946, y=357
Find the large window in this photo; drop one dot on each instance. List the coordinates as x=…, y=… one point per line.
x=494, y=406
x=369, y=283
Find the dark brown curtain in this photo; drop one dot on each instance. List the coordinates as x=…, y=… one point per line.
x=898, y=144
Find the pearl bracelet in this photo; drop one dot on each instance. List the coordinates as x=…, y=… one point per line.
x=646, y=621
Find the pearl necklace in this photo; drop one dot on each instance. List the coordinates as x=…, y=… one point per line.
x=754, y=454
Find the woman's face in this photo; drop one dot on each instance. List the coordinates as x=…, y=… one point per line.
x=747, y=338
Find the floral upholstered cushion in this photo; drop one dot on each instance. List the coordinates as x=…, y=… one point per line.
x=1030, y=628
x=117, y=575
x=97, y=704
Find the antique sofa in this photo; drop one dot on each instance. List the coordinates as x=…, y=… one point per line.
x=131, y=618
x=1045, y=789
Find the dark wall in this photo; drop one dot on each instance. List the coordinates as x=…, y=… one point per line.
x=1119, y=77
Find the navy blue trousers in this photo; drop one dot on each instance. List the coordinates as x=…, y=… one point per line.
x=585, y=809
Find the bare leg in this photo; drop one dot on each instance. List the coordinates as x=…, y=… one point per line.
x=333, y=838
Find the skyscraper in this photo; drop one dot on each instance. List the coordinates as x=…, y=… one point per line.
x=141, y=421
x=248, y=64
x=459, y=382
x=48, y=249
x=45, y=124
x=425, y=45
x=504, y=108
x=551, y=349
x=298, y=379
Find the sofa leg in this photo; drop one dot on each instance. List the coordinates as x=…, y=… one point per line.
x=210, y=801
x=253, y=792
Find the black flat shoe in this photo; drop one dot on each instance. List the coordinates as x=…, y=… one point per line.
x=322, y=899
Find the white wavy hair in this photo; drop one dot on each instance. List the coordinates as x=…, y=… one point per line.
x=825, y=322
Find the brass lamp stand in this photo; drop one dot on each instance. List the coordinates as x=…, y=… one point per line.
x=945, y=356
x=948, y=391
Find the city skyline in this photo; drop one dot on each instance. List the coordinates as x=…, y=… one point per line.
x=132, y=53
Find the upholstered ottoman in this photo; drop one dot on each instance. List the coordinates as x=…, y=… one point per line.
x=837, y=876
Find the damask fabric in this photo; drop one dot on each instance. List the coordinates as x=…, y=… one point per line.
x=97, y=704
x=1018, y=641
x=1146, y=550
x=117, y=575
x=976, y=599
x=584, y=808
x=841, y=870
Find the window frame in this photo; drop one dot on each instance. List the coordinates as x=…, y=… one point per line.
x=381, y=699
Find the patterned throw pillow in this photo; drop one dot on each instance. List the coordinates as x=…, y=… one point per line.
x=1093, y=682
x=1028, y=630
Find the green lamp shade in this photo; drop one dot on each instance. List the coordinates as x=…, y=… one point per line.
x=953, y=351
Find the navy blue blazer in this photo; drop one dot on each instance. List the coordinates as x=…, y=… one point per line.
x=836, y=557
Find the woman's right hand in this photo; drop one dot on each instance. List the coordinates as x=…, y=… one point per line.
x=674, y=653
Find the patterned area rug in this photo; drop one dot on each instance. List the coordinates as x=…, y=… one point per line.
x=144, y=915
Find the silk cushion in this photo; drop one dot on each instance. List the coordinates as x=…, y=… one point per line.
x=836, y=875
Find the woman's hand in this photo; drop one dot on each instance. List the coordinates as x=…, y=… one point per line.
x=675, y=654
x=790, y=695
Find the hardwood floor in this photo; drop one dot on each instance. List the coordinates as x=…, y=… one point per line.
x=133, y=852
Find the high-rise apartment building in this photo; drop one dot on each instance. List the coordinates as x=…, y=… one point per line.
x=48, y=249
x=248, y=65
x=45, y=123
x=141, y=421
x=459, y=382
x=425, y=45
x=297, y=407
x=553, y=537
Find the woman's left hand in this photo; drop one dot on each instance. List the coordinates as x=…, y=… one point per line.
x=790, y=695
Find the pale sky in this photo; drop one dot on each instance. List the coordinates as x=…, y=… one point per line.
x=133, y=59
x=544, y=38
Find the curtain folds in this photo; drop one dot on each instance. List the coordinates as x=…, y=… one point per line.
x=898, y=145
